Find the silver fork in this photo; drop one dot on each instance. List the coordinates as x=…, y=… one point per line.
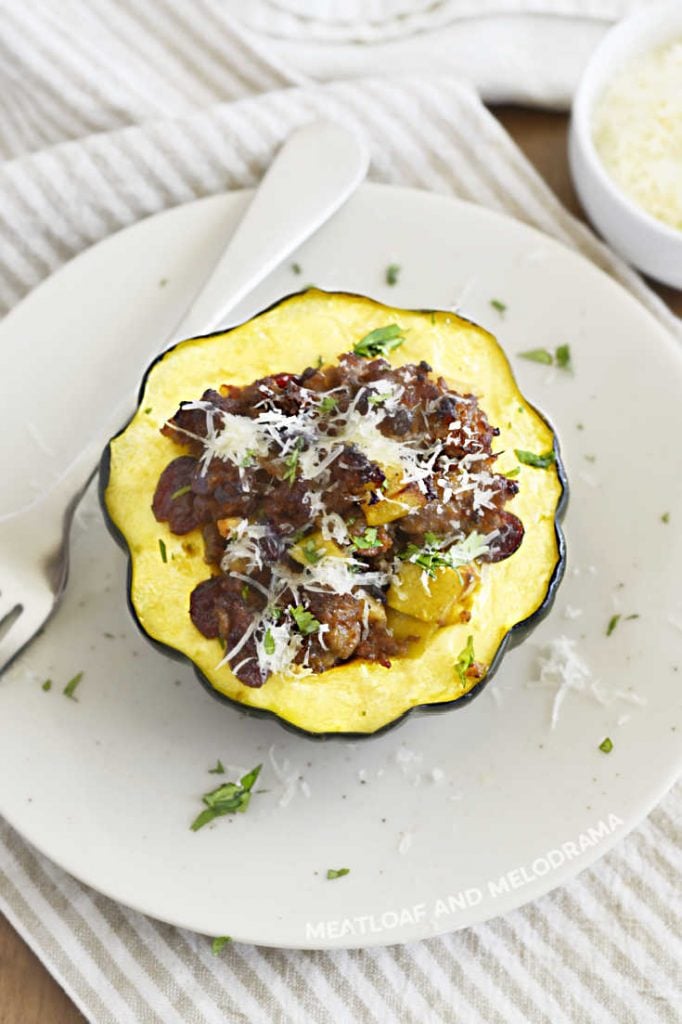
x=314, y=173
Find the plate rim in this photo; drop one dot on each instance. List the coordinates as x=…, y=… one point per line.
x=570, y=869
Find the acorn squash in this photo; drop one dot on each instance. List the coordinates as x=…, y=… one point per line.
x=451, y=655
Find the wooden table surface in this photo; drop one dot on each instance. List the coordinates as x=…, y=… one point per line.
x=28, y=994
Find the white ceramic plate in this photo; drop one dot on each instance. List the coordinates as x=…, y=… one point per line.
x=449, y=819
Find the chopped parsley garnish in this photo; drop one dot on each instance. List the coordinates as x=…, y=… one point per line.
x=367, y=540
x=538, y=461
x=221, y=940
x=512, y=473
x=328, y=404
x=465, y=660
x=291, y=462
x=379, y=341
x=563, y=357
x=305, y=621
x=296, y=268
x=218, y=770
x=392, y=272
x=70, y=688
x=430, y=558
x=148, y=410
x=501, y=307
x=665, y=518
x=47, y=685
x=606, y=745
x=538, y=355
x=245, y=591
x=379, y=398
x=311, y=552
x=337, y=872
x=427, y=558
x=180, y=491
x=615, y=619
x=162, y=549
x=320, y=363
x=229, y=798
x=269, y=642
x=247, y=461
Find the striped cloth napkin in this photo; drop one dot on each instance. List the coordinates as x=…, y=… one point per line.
x=512, y=51
x=110, y=111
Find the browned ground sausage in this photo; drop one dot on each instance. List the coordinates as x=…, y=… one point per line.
x=268, y=490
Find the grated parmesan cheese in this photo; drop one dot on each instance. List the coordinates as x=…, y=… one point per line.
x=562, y=669
x=289, y=777
x=405, y=842
x=305, y=444
x=637, y=131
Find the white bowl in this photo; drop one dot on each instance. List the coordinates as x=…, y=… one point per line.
x=647, y=243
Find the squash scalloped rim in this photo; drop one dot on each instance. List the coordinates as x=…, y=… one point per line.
x=514, y=635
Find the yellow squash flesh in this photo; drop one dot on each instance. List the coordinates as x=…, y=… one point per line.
x=361, y=697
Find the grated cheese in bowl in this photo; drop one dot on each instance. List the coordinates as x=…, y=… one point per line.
x=637, y=131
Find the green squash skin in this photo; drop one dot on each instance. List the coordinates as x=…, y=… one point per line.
x=512, y=639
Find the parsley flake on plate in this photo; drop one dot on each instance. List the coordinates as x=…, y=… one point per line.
x=538, y=355
x=219, y=942
x=501, y=307
x=562, y=354
x=392, y=273
x=228, y=798
x=606, y=745
x=70, y=688
x=337, y=872
x=613, y=622
x=561, y=357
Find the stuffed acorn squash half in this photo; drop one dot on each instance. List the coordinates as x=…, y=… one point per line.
x=337, y=511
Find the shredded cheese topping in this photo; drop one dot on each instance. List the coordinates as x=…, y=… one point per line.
x=637, y=131
x=305, y=445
